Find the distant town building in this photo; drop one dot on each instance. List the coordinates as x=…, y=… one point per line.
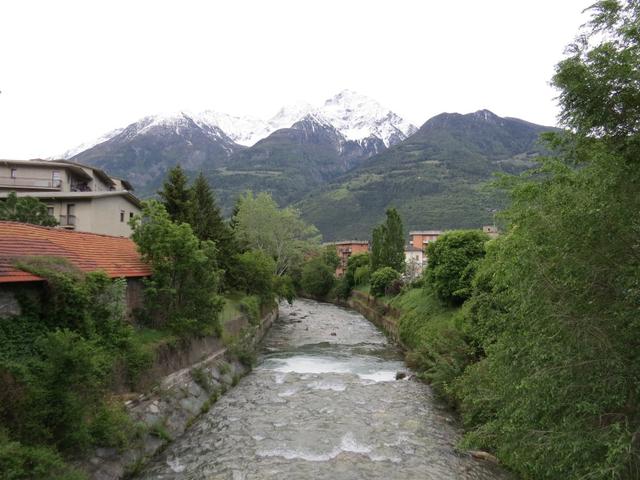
x=80, y=197
x=491, y=230
x=421, y=238
x=118, y=257
x=415, y=261
x=345, y=249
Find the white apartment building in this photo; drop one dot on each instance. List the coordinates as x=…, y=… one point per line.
x=80, y=197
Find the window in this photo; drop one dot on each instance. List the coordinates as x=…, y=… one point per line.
x=49, y=210
x=122, y=215
x=14, y=172
x=55, y=178
x=130, y=215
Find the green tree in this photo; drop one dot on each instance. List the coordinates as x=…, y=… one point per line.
x=184, y=281
x=599, y=81
x=208, y=224
x=176, y=195
x=280, y=233
x=382, y=279
x=453, y=258
x=387, y=245
x=377, y=247
x=393, y=250
x=317, y=277
x=255, y=273
x=555, y=304
x=26, y=210
x=330, y=256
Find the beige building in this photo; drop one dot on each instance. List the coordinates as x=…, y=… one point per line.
x=415, y=260
x=80, y=197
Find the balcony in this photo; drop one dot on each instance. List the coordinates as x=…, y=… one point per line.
x=68, y=221
x=29, y=183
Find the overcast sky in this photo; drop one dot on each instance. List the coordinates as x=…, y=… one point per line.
x=70, y=71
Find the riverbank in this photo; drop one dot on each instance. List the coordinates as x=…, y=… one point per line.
x=187, y=380
x=323, y=403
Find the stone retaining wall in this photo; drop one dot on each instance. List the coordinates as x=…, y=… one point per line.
x=380, y=314
x=168, y=409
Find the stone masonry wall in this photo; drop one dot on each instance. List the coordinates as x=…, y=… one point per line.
x=169, y=408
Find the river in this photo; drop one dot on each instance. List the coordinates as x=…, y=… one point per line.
x=323, y=403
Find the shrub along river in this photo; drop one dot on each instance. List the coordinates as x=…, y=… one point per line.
x=323, y=403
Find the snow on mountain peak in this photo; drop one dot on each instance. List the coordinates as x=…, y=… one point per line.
x=242, y=130
x=357, y=116
x=354, y=115
x=290, y=114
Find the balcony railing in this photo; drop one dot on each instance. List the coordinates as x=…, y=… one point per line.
x=30, y=183
x=67, y=220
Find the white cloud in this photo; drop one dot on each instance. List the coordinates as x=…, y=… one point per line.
x=72, y=70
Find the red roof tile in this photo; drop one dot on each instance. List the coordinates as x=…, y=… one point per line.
x=116, y=256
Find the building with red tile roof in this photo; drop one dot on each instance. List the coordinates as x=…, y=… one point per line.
x=116, y=256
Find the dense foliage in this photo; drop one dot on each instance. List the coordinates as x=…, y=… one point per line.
x=387, y=244
x=254, y=271
x=452, y=263
x=317, y=277
x=359, y=262
x=26, y=210
x=382, y=279
x=57, y=361
x=182, y=291
x=543, y=358
x=280, y=233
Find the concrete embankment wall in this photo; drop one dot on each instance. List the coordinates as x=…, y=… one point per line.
x=185, y=380
x=380, y=314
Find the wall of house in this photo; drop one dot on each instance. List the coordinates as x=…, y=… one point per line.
x=36, y=177
x=97, y=215
x=106, y=218
x=420, y=240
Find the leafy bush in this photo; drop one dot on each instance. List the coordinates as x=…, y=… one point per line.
x=250, y=307
x=284, y=288
x=362, y=275
x=342, y=288
x=452, y=263
x=182, y=292
x=255, y=272
x=28, y=462
x=26, y=210
x=382, y=279
x=317, y=278
x=57, y=361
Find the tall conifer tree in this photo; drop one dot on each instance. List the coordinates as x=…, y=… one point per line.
x=394, y=241
x=387, y=243
x=176, y=195
x=208, y=224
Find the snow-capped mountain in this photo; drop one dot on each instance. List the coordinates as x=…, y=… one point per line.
x=86, y=145
x=242, y=130
x=145, y=150
x=355, y=116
